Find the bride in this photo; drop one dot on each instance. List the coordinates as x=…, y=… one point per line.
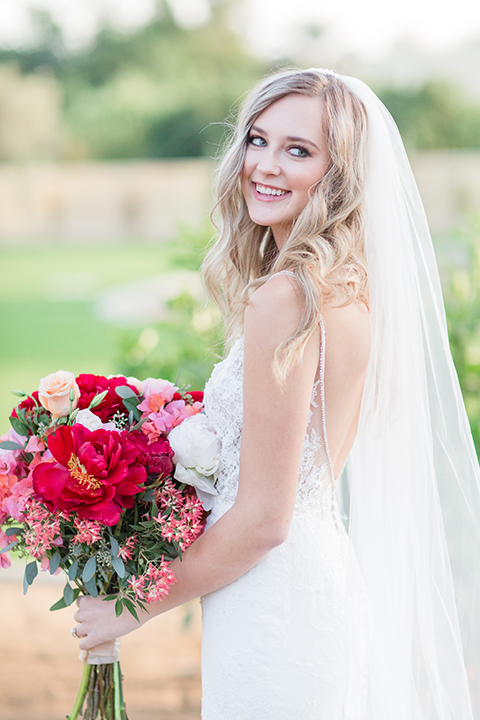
x=325, y=272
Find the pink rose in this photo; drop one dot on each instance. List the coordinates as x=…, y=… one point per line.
x=54, y=393
x=164, y=388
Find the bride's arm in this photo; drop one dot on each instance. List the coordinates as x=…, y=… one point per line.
x=272, y=440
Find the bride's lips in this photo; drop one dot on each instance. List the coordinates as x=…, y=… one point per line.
x=265, y=197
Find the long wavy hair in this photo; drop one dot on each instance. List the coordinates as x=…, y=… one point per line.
x=325, y=246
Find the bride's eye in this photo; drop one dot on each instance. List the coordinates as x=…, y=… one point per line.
x=299, y=151
x=256, y=140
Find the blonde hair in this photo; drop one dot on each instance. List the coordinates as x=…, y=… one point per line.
x=325, y=246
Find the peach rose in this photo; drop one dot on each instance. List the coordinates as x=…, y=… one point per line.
x=54, y=393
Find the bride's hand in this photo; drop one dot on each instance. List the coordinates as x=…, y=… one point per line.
x=97, y=622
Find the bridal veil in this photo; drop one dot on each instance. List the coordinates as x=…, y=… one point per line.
x=414, y=488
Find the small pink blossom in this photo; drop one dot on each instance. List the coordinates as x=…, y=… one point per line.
x=126, y=550
x=138, y=585
x=88, y=531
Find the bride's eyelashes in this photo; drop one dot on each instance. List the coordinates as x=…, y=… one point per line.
x=295, y=150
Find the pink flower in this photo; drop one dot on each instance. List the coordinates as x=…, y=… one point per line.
x=88, y=531
x=126, y=550
x=45, y=566
x=163, y=388
x=137, y=585
x=5, y=561
x=167, y=417
x=16, y=503
x=35, y=445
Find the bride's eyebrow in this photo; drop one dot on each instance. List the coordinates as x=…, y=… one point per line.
x=291, y=138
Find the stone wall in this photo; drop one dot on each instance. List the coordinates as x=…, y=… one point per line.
x=118, y=201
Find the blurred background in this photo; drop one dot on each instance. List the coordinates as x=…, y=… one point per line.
x=112, y=114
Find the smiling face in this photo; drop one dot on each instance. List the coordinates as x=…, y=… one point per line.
x=286, y=156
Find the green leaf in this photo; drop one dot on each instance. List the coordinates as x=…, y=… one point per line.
x=68, y=594
x=118, y=566
x=31, y=572
x=55, y=562
x=60, y=604
x=89, y=569
x=115, y=546
x=125, y=392
x=13, y=531
x=118, y=608
x=91, y=587
x=97, y=399
x=19, y=427
x=72, y=570
x=131, y=608
x=19, y=393
x=10, y=445
x=10, y=546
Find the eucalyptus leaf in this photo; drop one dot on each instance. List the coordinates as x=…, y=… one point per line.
x=59, y=605
x=13, y=531
x=9, y=547
x=125, y=392
x=55, y=562
x=91, y=587
x=31, y=571
x=149, y=495
x=118, y=566
x=10, y=445
x=115, y=546
x=68, y=594
x=89, y=569
x=73, y=570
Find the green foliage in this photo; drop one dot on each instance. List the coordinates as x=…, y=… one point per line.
x=156, y=92
x=183, y=348
x=434, y=116
x=462, y=298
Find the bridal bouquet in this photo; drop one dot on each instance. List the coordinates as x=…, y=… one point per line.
x=109, y=480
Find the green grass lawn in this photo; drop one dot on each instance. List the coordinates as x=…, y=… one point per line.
x=47, y=318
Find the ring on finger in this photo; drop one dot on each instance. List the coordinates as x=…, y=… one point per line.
x=73, y=632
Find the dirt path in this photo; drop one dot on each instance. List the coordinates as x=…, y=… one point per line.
x=40, y=670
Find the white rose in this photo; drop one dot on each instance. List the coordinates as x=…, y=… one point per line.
x=92, y=422
x=203, y=486
x=196, y=445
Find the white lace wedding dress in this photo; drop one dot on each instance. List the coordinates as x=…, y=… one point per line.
x=284, y=642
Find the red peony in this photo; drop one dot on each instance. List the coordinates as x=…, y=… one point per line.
x=196, y=395
x=95, y=474
x=91, y=385
x=157, y=456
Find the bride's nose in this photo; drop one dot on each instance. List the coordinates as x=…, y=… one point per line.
x=268, y=163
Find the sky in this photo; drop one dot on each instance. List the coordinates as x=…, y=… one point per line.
x=369, y=28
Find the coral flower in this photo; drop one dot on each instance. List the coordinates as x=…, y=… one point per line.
x=94, y=473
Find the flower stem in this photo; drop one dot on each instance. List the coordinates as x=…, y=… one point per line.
x=82, y=691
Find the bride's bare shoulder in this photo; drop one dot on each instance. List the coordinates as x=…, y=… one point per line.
x=275, y=309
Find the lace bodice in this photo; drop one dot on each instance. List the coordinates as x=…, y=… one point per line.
x=224, y=407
